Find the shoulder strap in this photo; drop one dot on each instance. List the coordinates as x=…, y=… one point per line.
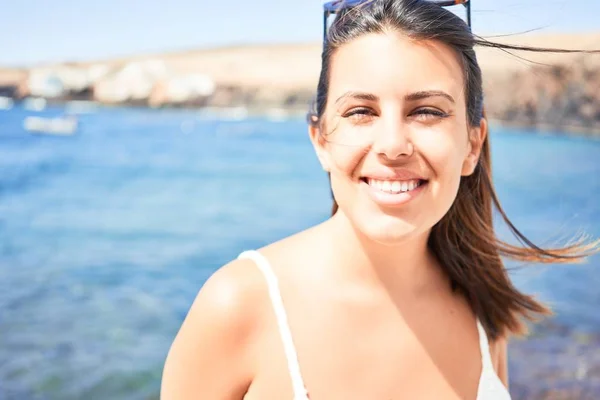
x=484, y=347
x=490, y=385
x=284, y=330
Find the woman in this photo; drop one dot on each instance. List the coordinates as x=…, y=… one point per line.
x=402, y=293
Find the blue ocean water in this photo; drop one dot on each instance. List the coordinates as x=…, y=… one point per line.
x=106, y=236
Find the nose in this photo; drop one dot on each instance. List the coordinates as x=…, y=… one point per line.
x=393, y=140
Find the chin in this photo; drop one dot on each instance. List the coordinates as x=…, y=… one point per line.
x=389, y=230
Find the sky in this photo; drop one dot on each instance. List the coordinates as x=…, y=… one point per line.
x=39, y=31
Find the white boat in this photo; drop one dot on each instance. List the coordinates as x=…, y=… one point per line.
x=225, y=113
x=34, y=103
x=81, y=107
x=60, y=126
x=277, y=115
x=6, y=103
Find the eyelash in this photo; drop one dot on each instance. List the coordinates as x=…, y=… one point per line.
x=363, y=112
x=428, y=112
x=431, y=111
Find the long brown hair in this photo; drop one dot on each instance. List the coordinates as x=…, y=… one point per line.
x=464, y=240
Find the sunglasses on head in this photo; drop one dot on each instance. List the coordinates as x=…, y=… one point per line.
x=333, y=7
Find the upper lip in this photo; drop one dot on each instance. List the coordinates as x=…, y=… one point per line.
x=395, y=175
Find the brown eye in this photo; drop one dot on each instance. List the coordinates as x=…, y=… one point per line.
x=429, y=114
x=359, y=115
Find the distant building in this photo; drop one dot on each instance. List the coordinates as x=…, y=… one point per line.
x=66, y=81
x=132, y=83
x=185, y=89
x=45, y=83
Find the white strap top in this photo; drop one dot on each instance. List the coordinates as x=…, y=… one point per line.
x=490, y=386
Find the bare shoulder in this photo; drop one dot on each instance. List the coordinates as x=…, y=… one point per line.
x=232, y=291
x=500, y=358
x=212, y=354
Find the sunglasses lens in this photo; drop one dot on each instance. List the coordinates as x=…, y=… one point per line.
x=335, y=6
x=448, y=3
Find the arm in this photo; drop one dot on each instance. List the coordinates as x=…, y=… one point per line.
x=210, y=357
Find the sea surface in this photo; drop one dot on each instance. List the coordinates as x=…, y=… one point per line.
x=106, y=237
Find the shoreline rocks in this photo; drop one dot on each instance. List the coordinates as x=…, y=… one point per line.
x=550, y=92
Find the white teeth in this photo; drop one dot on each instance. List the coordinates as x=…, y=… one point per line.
x=393, y=186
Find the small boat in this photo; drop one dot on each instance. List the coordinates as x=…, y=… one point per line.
x=59, y=126
x=6, y=103
x=35, y=103
x=81, y=107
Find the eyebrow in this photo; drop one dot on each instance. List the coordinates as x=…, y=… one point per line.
x=428, y=93
x=358, y=96
x=409, y=97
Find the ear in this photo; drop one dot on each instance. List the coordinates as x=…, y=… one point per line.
x=477, y=136
x=320, y=145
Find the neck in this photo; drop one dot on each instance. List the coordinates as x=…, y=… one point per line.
x=406, y=267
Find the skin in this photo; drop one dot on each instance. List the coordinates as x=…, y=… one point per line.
x=370, y=310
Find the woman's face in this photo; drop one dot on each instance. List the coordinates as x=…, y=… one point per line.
x=396, y=139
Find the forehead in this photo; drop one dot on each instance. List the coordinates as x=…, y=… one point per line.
x=393, y=64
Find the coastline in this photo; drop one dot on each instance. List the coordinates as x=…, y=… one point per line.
x=282, y=114
x=550, y=92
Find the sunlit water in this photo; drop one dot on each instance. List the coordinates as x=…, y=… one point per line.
x=106, y=237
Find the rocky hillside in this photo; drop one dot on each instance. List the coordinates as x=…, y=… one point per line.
x=548, y=91
x=559, y=97
x=559, y=91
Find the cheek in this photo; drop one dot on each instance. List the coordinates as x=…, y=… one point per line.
x=344, y=160
x=445, y=154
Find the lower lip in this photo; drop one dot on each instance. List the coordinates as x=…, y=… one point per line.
x=392, y=199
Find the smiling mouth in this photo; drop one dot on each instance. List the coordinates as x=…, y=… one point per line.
x=394, y=186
